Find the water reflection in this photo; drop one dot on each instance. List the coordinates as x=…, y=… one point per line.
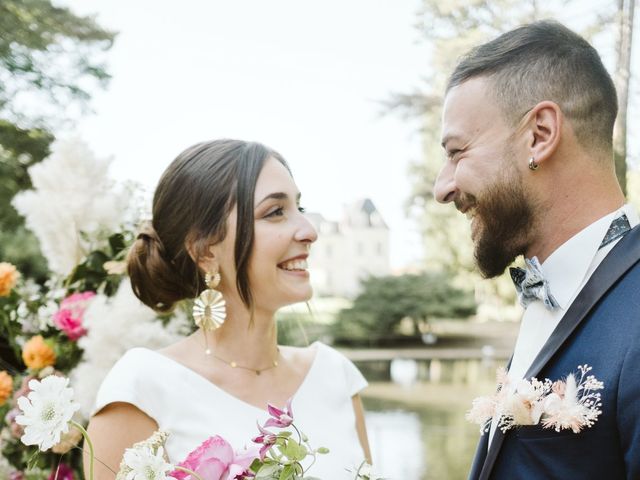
x=419, y=432
x=420, y=444
x=396, y=443
x=468, y=371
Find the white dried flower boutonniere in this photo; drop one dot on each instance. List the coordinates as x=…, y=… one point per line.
x=573, y=403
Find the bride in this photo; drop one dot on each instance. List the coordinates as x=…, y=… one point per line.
x=227, y=228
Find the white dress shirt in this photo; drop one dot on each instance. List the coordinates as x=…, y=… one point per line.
x=567, y=270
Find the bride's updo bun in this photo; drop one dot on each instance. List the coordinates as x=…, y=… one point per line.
x=191, y=205
x=153, y=278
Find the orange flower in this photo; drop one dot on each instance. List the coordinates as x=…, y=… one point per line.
x=8, y=278
x=6, y=387
x=37, y=354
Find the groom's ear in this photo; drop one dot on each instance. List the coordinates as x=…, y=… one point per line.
x=545, y=130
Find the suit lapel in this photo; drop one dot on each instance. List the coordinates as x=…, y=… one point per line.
x=618, y=262
x=622, y=257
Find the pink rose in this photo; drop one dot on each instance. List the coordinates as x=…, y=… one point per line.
x=215, y=460
x=69, y=317
x=63, y=472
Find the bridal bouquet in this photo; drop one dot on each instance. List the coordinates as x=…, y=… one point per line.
x=47, y=411
x=85, y=316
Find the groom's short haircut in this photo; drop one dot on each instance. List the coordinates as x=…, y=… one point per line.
x=547, y=61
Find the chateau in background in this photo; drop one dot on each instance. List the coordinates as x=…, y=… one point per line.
x=348, y=250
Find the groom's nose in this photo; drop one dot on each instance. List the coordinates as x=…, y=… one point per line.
x=445, y=187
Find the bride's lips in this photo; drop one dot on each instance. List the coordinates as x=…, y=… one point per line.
x=295, y=265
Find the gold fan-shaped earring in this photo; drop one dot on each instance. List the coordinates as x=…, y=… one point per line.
x=209, y=309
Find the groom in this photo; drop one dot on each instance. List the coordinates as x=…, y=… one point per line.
x=527, y=130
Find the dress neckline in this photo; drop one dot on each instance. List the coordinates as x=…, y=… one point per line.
x=224, y=392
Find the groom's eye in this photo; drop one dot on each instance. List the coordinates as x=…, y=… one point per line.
x=452, y=153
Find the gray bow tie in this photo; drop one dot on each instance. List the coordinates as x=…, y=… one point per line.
x=530, y=282
x=531, y=285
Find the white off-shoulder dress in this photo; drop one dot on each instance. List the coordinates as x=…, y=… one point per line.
x=191, y=408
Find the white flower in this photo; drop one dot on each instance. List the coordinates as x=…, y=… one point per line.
x=573, y=403
x=46, y=411
x=72, y=194
x=572, y=409
x=482, y=411
x=145, y=465
x=45, y=314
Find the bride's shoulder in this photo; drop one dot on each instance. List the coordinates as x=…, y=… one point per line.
x=316, y=352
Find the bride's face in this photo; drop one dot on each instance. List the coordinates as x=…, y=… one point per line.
x=277, y=271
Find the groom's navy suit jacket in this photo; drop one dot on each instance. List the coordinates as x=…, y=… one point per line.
x=602, y=329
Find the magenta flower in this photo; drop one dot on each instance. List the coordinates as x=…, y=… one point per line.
x=69, y=317
x=266, y=438
x=280, y=418
x=63, y=472
x=215, y=459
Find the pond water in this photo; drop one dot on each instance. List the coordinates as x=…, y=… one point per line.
x=419, y=432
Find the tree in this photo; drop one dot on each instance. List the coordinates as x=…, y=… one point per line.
x=386, y=301
x=624, y=44
x=48, y=58
x=19, y=149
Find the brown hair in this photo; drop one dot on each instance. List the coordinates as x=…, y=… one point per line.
x=191, y=205
x=547, y=61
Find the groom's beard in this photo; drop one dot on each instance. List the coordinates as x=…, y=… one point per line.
x=505, y=221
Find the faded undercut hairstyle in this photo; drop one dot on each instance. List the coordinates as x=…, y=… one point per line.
x=191, y=205
x=547, y=61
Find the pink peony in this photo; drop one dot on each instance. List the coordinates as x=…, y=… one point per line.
x=69, y=317
x=63, y=472
x=215, y=460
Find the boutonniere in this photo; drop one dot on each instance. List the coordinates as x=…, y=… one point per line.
x=573, y=403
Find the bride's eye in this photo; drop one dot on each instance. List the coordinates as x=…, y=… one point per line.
x=278, y=212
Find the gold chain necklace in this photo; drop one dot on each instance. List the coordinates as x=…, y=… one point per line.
x=234, y=364
x=257, y=371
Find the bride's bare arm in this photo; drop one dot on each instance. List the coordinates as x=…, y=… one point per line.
x=116, y=427
x=361, y=427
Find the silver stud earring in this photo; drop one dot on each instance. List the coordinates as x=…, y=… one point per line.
x=533, y=165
